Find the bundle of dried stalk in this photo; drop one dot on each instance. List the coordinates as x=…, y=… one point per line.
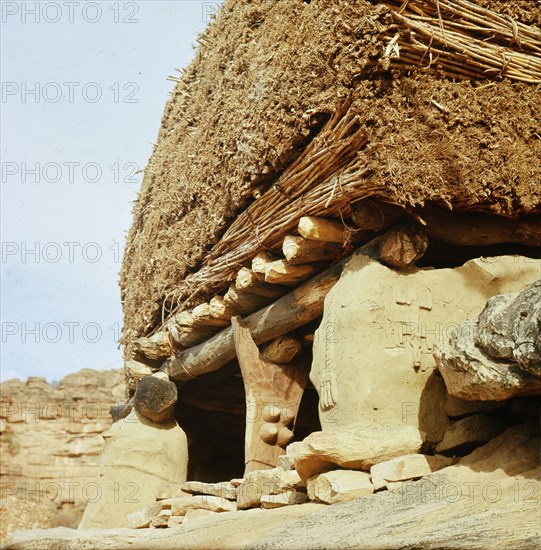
x=456, y=38
x=324, y=180
x=463, y=40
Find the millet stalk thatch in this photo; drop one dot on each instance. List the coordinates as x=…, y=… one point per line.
x=359, y=99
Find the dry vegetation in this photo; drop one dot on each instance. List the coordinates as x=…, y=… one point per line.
x=266, y=79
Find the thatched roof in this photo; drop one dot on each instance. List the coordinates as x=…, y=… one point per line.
x=269, y=76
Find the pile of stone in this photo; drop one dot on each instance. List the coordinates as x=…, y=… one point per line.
x=486, y=371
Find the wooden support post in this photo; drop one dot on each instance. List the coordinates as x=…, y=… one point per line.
x=321, y=229
x=294, y=310
x=273, y=395
x=298, y=250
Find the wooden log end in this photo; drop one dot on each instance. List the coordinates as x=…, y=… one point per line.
x=404, y=246
x=299, y=250
x=155, y=398
x=282, y=350
x=281, y=272
x=321, y=229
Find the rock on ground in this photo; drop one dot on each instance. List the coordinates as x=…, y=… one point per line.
x=407, y=467
x=287, y=498
x=470, y=431
x=355, y=448
x=266, y=482
x=490, y=499
x=223, y=489
x=339, y=486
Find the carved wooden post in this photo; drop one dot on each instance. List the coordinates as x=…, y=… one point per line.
x=273, y=395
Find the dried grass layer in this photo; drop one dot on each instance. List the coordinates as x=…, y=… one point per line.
x=265, y=79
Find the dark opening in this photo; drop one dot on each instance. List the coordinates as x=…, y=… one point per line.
x=212, y=411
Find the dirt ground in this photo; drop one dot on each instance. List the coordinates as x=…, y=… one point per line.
x=267, y=76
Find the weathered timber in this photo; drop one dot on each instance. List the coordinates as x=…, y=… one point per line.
x=203, y=318
x=403, y=246
x=219, y=309
x=155, y=398
x=185, y=332
x=260, y=261
x=294, y=310
x=248, y=281
x=481, y=229
x=280, y=272
x=242, y=302
x=299, y=250
x=156, y=347
x=196, y=336
x=375, y=215
x=273, y=395
x=282, y=350
x=321, y=229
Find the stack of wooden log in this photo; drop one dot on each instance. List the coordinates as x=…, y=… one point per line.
x=280, y=291
x=325, y=204
x=268, y=277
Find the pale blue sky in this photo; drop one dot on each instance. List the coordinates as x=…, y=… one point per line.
x=113, y=59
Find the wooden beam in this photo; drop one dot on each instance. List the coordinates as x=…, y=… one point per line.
x=375, y=215
x=260, y=261
x=321, y=229
x=299, y=250
x=185, y=332
x=242, y=302
x=273, y=395
x=155, y=348
x=203, y=318
x=248, y=281
x=282, y=350
x=294, y=310
x=219, y=309
x=280, y=272
x=481, y=229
